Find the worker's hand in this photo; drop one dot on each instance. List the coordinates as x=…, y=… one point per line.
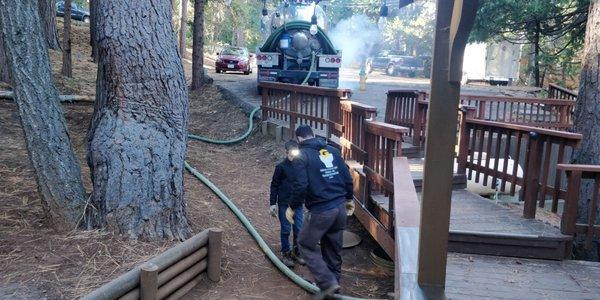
x=273, y=210
x=289, y=215
x=350, y=207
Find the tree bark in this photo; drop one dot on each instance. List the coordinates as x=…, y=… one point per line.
x=183, y=28
x=198, y=46
x=4, y=74
x=138, y=133
x=67, y=69
x=57, y=171
x=93, y=42
x=47, y=11
x=587, y=114
x=536, y=62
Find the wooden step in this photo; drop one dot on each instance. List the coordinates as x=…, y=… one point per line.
x=481, y=226
x=459, y=181
x=411, y=151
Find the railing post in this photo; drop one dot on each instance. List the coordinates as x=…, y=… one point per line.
x=265, y=102
x=149, y=282
x=463, y=143
x=532, y=175
x=481, y=112
x=215, y=236
x=563, y=115
x=569, y=216
x=418, y=120
x=293, y=109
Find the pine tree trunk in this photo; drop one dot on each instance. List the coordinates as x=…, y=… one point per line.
x=587, y=113
x=47, y=11
x=57, y=170
x=67, y=69
x=183, y=28
x=198, y=46
x=93, y=42
x=536, y=61
x=138, y=134
x=4, y=74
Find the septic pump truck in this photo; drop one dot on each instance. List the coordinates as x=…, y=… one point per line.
x=298, y=51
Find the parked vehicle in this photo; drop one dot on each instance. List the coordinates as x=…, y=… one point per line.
x=405, y=66
x=497, y=64
x=77, y=12
x=380, y=62
x=396, y=64
x=235, y=59
x=297, y=49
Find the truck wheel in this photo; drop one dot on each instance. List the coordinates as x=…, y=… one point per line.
x=391, y=71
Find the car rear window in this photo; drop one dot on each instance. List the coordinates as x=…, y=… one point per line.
x=234, y=51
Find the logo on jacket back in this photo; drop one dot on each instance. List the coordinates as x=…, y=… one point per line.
x=327, y=159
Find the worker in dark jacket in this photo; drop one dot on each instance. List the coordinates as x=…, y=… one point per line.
x=281, y=187
x=324, y=182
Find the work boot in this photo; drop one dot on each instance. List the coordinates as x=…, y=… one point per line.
x=328, y=293
x=287, y=259
x=298, y=258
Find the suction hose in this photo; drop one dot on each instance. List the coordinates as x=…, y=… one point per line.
x=238, y=213
x=310, y=70
x=231, y=141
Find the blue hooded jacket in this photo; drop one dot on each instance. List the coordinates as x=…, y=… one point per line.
x=322, y=177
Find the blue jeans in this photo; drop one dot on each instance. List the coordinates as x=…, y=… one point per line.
x=286, y=227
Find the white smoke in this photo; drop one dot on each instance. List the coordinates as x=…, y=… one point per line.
x=355, y=37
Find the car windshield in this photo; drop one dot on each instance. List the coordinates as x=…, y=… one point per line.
x=234, y=51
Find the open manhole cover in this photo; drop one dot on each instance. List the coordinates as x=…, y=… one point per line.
x=351, y=239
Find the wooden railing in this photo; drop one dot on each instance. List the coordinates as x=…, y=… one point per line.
x=354, y=118
x=292, y=105
x=569, y=225
x=408, y=108
x=536, y=112
x=494, y=151
x=171, y=274
x=374, y=181
x=559, y=92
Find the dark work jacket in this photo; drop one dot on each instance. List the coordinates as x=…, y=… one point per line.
x=322, y=177
x=281, y=184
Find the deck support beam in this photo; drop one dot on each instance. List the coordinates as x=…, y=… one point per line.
x=455, y=19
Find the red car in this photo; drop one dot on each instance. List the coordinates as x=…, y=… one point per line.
x=233, y=59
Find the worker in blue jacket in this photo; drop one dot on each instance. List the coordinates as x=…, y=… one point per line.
x=324, y=183
x=281, y=187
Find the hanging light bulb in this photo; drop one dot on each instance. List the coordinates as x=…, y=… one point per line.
x=313, y=25
x=383, y=14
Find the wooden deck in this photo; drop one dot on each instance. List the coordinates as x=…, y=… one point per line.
x=493, y=277
x=480, y=226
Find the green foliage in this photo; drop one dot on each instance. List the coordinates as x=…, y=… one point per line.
x=411, y=30
x=236, y=24
x=338, y=10
x=556, y=27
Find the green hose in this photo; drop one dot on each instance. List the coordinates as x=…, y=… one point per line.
x=231, y=141
x=310, y=70
x=238, y=213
